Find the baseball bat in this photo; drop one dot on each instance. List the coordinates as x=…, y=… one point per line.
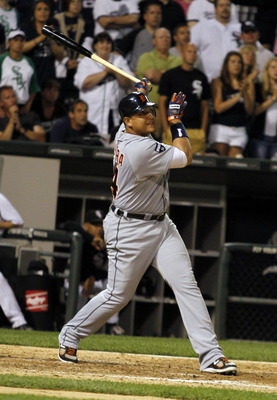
x=65, y=41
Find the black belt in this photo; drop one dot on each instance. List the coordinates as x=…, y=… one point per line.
x=145, y=217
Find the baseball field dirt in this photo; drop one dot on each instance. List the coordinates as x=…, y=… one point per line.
x=120, y=367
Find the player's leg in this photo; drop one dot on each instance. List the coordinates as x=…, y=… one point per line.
x=173, y=262
x=130, y=246
x=9, y=304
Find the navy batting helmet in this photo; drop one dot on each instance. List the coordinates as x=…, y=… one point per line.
x=133, y=103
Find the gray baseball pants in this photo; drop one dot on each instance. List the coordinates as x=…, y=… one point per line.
x=132, y=246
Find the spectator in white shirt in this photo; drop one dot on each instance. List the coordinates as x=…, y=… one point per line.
x=117, y=18
x=205, y=9
x=215, y=38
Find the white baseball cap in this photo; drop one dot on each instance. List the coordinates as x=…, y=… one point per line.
x=14, y=33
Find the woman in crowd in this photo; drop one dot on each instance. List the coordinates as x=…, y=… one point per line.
x=101, y=87
x=38, y=47
x=72, y=24
x=234, y=99
x=264, y=129
x=248, y=52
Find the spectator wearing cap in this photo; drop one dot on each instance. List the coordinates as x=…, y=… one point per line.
x=18, y=71
x=250, y=35
x=75, y=128
x=48, y=105
x=94, y=262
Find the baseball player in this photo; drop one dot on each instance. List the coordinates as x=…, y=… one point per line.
x=9, y=218
x=138, y=232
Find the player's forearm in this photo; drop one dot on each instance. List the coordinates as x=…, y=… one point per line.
x=182, y=143
x=118, y=21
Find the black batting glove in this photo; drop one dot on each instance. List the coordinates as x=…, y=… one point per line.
x=176, y=106
x=144, y=86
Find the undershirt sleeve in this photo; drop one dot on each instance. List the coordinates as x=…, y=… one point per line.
x=179, y=159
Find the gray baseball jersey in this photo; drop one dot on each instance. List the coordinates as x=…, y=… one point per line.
x=140, y=186
x=141, y=169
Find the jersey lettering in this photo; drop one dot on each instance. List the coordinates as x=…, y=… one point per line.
x=114, y=186
x=119, y=157
x=159, y=148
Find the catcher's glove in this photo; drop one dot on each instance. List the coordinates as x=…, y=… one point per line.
x=176, y=106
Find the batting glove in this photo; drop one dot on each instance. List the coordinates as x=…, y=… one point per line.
x=144, y=85
x=176, y=106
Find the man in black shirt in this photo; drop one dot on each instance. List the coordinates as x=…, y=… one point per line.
x=75, y=127
x=194, y=84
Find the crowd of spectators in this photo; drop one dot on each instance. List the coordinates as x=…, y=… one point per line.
x=221, y=53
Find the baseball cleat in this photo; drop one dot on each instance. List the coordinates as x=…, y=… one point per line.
x=68, y=354
x=222, y=366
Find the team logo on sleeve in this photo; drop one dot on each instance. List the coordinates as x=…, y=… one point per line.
x=159, y=147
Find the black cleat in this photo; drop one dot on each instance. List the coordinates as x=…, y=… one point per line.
x=68, y=354
x=222, y=366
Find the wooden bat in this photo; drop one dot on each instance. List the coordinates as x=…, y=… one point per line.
x=65, y=41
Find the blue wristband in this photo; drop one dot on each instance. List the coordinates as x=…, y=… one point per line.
x=178, y=131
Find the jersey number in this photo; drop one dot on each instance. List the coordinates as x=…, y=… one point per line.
x=114, y=186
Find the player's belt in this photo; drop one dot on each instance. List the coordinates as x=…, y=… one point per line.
x=145, y=217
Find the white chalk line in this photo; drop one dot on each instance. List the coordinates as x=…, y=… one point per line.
x=208, y=382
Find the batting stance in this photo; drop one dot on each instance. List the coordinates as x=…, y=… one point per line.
x=139, y=233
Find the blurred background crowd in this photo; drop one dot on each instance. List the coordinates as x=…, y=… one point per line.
x=220, y=53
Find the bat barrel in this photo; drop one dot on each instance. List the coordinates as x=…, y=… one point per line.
x=65, y=41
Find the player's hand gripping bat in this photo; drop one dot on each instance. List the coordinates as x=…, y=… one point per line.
x=65, y=41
